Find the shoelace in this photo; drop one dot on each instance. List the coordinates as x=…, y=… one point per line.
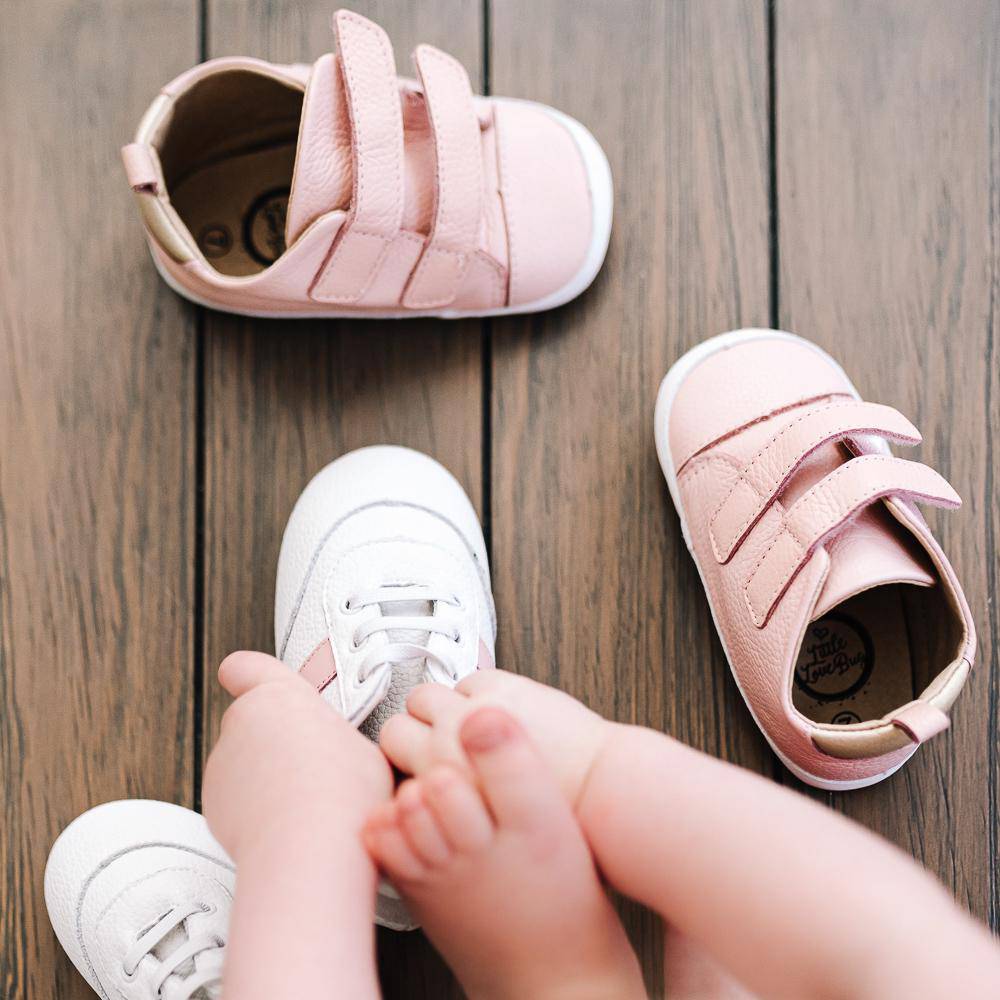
x=395, y=651
x=169, y=965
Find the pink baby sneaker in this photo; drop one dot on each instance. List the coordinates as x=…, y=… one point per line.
x=844, y=624
x=341, y=190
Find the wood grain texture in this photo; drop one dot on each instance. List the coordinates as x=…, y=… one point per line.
x=121, y=587
x=282, y=399
x=595, y=588
x=96, y=457
x=888, y=120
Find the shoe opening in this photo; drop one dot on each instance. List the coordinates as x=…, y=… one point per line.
x=228, y=155
x=875, y=652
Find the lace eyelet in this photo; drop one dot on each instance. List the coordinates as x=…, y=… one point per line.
x=457, y=602
x=457, y=638
x=348, y=608
x=128, y=975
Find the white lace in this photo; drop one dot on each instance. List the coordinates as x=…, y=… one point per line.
x=395, y=651
x=198, y=979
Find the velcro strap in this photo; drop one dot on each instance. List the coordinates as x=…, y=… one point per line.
x=769, y=470
x=458, y=198
x=376, y=214
x=826, y=507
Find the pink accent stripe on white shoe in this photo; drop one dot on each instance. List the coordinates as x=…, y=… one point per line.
x=321, y=667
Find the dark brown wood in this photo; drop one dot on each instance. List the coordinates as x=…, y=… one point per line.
x=282, y=399
x=888, y=121
x=595, y=589
x=121, y=588
x=97, y=436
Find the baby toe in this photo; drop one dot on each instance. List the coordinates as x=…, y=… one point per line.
x=419, y=825
x=390, y=849
x=517, y=785
x=459, y=809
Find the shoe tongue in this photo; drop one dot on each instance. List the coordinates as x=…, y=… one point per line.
x=409, y=609
x=873, y=550
x=406, y=674
x=175, y=984
x=323, y=179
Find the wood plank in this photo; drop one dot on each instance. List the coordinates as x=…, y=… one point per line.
x=96, y=457
x=284, y=398
x=596, y=591
x=887, y=180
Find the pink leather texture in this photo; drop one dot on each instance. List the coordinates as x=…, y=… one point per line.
x=773, y=464
x=458, y=208
x=784, y=484
x=320, y=667
x=543, y=186
x=827, y=506
x=406, y=196
x=140, y=168
x=921, y=721
x=376, y=213
x=324, y=174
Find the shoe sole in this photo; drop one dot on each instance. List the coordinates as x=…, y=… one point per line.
x=669, y=388
x=601, y=201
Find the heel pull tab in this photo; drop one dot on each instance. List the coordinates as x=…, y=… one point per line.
x=140, y=168
x=920, y=721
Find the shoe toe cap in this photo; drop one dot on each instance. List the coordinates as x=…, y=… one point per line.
x=737, y=379
x=548, y=201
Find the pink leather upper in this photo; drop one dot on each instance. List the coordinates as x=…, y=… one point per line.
x=376, y=212
x=784, y=525
x=458, y=205
x=405, y=196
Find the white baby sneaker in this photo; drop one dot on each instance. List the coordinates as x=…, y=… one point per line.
x=383, y=584
x=139, y=894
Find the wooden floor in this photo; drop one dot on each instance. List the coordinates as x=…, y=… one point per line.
x=828, y=166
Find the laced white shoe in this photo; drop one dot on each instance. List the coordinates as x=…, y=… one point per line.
x=383, y=584
x=139, y=894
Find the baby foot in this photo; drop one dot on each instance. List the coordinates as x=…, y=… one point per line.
x=499, y=873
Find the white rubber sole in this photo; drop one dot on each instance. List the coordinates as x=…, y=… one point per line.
x=602, y=209
x=669, y=388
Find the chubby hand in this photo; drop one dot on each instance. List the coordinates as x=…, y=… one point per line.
x=285, y=759
x=568, y=735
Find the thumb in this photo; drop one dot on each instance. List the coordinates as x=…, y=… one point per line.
x=243, y=671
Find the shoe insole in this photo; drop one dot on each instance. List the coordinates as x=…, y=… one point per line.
x=855, y=663
x=235, y=208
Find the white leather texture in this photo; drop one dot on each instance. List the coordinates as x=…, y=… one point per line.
x=380, y=516
x=115, y=871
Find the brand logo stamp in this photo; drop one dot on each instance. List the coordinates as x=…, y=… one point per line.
x=836, y=661
x=264, y=226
